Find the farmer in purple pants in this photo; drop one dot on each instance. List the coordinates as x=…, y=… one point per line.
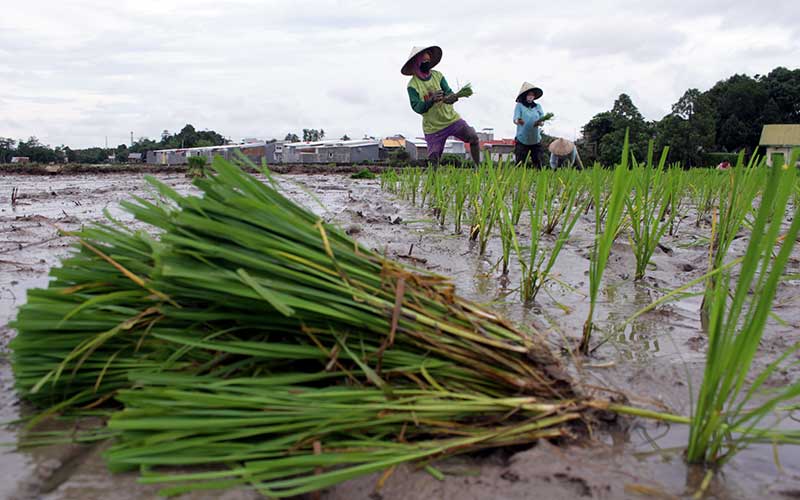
x=432, y=97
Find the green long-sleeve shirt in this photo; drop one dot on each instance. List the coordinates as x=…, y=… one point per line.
x=435, y=115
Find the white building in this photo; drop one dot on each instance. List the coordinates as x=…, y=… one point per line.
x=779, y=141
x=418, y=149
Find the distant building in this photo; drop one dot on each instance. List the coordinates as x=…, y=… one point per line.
x=779, y=140
x=332, y=151
x=497, y=149
x=486, y=134
x=390, y=145
x=395, y=142
x=455, y=147
x=417, y=149
x=134, y=157
x=257, y=152
x=20, y=159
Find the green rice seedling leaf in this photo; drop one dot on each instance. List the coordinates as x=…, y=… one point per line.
x=605, y=236
x=736, y=327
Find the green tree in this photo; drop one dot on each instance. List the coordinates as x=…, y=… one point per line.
x=313, y=135
x=7, y=149
x=121, y=153
x=738, y=101
x=290, y=137
x=90, y=155
x=593, y=132
x=689, y=130
x=143, y=145
x=783, y=87
x=36, y=151
x=604, y=135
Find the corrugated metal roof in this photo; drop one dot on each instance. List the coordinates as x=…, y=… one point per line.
x=210, y=148
x=334, y=143
x=780, y=135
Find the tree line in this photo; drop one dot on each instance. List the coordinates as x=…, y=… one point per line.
x=702, y=127
x=188, y=137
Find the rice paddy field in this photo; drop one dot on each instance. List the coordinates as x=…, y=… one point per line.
x=497, y=332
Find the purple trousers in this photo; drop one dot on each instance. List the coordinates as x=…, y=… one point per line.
x=458, y=129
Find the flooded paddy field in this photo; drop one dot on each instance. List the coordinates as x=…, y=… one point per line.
x=654, y=361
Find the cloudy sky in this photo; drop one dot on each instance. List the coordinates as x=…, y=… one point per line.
x=75, y=72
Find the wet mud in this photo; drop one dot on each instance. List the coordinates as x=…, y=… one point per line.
x=653, y=361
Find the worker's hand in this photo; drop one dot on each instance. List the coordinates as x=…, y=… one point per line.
x=450, y=98
x=520, y=121
x=435, y=96
x=539, y=123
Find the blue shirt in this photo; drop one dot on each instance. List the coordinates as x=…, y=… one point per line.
x=528, y=134
x=559, y=161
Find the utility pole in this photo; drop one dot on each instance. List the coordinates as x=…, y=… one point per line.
x=131, y=138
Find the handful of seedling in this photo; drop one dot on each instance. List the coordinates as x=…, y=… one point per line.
x=464, y=91
x=547, y=117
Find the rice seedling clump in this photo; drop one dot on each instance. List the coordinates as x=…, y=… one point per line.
x=242, y=330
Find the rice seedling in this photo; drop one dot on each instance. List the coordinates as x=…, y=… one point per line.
x=677, y=198
x=706, y=189
x=410, y=183
x=562, y=188
x=648, y=208
x=364, y=173
x=460, y=195
x=428, y=184
x=249, y=333
x=486, y=210
x=547, y=117
x=197, y=166
x=604, y=234
x=507, y=233
x=536, y=268
x=389, y=181
x=521, y=192
x=465, y=91
x=286, y=439
x=442, y=193
x=735, y=206
x=726, y=412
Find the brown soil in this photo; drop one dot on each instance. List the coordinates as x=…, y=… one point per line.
x=653, y=361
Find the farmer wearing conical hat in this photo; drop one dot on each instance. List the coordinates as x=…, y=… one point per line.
x=528, y=118
x=563, y=153
x=432, y=97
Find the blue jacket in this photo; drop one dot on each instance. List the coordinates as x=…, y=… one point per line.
x=528, y=133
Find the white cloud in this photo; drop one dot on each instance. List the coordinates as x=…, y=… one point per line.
x=74, y=72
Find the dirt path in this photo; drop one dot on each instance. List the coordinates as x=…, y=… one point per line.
x=652, y=360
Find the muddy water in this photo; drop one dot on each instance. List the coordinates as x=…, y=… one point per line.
x=652, y=361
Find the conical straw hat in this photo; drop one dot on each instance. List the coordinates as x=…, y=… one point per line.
x=561, y=147
x=436, y=56
x=537, y=92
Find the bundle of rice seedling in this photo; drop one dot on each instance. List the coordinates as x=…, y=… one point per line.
x=243, y=329
x=285, y=435
x=547, y=117
x=465, y=91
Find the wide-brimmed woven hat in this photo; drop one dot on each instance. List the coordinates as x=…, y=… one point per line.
x=537, y=92
x=436, y=56
x=561, y=147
